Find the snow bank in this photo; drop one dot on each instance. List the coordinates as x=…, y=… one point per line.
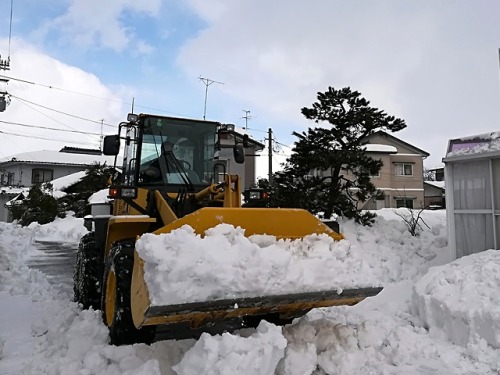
x=462, y=299
x=69, y=229
x=258, y=354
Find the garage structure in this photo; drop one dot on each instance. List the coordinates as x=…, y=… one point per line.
x=472, y=175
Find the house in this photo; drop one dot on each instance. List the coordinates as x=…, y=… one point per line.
x=9, y=196
x=19, y=172
x=224, y=157
x=434, y=194
x=472, y=172
x=401, y=176
x=438, y=173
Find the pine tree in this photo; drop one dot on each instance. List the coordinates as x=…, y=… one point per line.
x=39, y=206
x=329, y=170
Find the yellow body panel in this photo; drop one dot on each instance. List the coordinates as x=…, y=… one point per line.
x=121, y=227
x=280, y=222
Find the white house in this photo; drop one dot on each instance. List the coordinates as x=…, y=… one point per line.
x=224, y=156
x=21, y=171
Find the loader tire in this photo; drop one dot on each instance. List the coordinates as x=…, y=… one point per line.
x=116, y=309
x=86, y=276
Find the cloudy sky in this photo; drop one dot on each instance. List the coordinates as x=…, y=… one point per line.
x=76, y=65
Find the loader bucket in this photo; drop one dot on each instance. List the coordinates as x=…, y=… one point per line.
x=199, y=314
x=282, y=223
x=279, y=222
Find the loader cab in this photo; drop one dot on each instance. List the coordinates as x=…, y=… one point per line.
x=169, y=153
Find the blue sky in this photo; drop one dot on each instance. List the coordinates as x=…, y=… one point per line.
x=434, y=64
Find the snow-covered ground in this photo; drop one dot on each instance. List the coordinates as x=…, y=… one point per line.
x=433, y=316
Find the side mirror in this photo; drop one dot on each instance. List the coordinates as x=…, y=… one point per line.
x=111, y=145
x=239, y=154
x=245, y=140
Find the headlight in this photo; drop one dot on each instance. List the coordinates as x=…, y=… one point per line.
x=254, y=195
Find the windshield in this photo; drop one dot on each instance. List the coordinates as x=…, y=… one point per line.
x=176, y=151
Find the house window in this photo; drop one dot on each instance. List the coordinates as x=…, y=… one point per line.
x=404, y=202
x=404, y=169
x=41, y=175
x=7, y=178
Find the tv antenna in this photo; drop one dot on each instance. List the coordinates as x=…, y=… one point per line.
x=207, y=82
x=246, y=117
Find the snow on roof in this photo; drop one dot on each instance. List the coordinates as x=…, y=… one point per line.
x=243, y=131
x=375, y=147
x=56, y=157
x=436, y=167
x=10, y=190
x=18, y=197
x=62, y=183
x=439, y=184
x=474, y=145
x=100, y=196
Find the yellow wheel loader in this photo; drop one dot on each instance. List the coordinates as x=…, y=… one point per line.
x=170, y=178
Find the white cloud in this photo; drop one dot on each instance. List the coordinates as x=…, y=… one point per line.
x=97, y=103
x=421, y=62
x=279, y=57
x=94, y=23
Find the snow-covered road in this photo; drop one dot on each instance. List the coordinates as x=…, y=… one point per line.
x=56, y=260
x=403, y=330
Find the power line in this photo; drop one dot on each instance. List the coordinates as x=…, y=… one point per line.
x=38, y=137
x=257, y=130
x=61, y=112
x=88, y=95
x=44, y=114
x=48, y=128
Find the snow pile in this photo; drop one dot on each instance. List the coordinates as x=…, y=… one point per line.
x=445, y=295
x=258, y=354
x=226, y=264
x=69, y=229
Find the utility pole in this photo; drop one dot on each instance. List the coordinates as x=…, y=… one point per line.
x=101, y=137
x=207, y=82
x=246, y=117
x=270, y=147
x=5, y=65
